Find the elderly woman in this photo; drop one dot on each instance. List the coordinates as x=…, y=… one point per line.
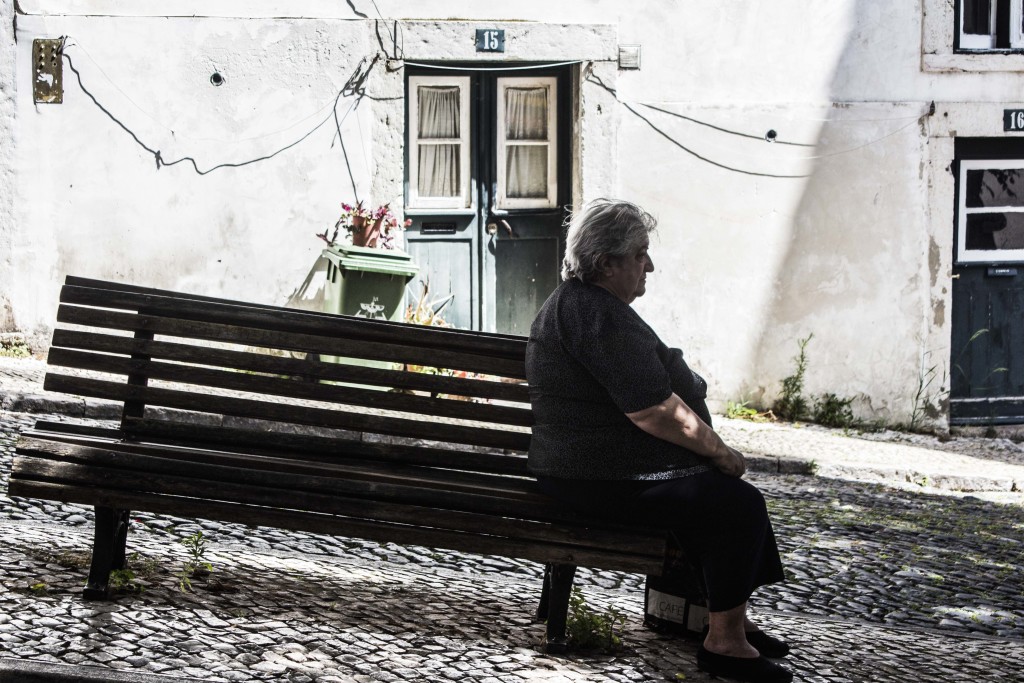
x=622, y=428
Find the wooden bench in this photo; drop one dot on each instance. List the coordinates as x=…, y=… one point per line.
x=229, y=414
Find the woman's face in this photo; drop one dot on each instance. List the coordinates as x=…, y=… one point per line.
x=626, y=276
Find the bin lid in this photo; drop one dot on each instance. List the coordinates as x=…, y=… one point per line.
x=388, y=261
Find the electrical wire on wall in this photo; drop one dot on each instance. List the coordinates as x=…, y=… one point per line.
x=771, y=136
x=353, y=88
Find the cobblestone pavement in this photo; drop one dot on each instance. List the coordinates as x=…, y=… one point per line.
x=885, y=585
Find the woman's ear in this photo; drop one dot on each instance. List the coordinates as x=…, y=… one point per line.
x=604, y=265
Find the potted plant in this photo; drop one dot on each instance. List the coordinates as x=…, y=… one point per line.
x=374, y=229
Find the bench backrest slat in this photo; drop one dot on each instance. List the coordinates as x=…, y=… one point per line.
x=265, y=410
x=328, y=342
x=304, y=322
x=287, y=387
x=510, y=344
x=295, y=367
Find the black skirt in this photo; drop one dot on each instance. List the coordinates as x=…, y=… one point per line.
x=721, y=520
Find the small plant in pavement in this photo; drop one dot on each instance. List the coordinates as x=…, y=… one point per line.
x=590, y=630
x=196, y=564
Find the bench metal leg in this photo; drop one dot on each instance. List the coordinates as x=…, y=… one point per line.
x=542, y=608
x=108, y=550
x=555, y=604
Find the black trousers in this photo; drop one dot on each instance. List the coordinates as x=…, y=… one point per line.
x=721, y=520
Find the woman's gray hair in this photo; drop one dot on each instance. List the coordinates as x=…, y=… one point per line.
x=604, y=226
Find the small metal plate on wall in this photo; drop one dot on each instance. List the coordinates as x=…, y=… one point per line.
x=47, y=71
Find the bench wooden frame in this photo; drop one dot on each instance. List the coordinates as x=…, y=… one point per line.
x=229, y=414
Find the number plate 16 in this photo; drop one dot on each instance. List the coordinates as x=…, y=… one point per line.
x=1013, y=120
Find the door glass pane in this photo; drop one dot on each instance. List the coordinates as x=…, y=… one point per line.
x=439, y=173
x=438, y=112
x=995, y=231
x=995, y=187
x=977, y=15
x=526, y=113
x=438, y=168
x=526, y=171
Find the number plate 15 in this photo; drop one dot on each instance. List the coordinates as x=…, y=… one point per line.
x=490, y=40
x=1013, y=120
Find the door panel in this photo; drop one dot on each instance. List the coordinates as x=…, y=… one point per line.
x=987, y=368
x=446, y=267
x=526, y=271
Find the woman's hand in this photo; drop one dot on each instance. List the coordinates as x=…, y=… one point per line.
x=732, y=462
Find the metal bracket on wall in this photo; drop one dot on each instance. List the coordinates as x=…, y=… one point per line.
x=47, y=71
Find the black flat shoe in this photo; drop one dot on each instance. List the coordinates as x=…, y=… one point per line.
x=767, y=645
x=758, y=670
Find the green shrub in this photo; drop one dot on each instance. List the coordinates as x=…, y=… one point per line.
x=791, y=404
x=589, y=630
x=832, y=411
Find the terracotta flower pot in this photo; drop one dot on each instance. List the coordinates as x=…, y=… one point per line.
x=365, y=233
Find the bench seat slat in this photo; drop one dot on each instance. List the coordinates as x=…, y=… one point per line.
x=265, y=410
x=147, y=472
x=297, y=367
x=362, y=471
x=130, y=297
x=374, y=531
x=109, y=469
x=312, y=448
x=289, y=388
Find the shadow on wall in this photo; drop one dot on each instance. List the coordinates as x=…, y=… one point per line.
x=854, y=273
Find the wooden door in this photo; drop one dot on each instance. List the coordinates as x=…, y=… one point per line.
x=488, y=204
x=987, y=350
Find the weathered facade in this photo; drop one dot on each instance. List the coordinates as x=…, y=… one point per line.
x=802, y=158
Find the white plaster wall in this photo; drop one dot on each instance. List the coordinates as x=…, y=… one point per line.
x=857, y=252
x=7, y=167
x=851, y=253
x=92, y=202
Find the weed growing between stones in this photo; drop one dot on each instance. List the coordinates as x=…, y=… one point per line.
x=829, y=410
x=590, y=630
x=14, y=346
x=925, y=399
x=196, y=565
x=792, y=405
x=743, y=411
x=832, y=411
x=123, y=581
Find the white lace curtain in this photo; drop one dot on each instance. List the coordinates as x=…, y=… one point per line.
x=438, y=112
x=526, y=119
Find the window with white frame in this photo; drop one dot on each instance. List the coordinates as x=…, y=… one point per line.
x=991, y=25
x=526, y=151
x=991, y=218
x=439, y=172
